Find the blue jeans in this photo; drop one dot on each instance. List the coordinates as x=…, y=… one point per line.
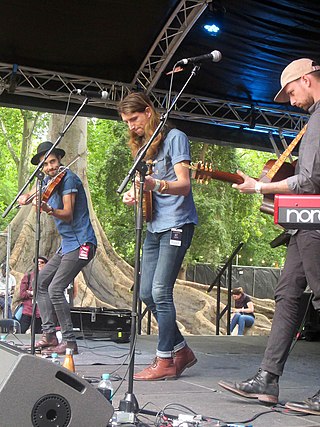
x=161, y=263
x=243, y=320
x=53, y=279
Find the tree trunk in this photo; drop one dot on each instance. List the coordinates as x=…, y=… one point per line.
x=107, y=276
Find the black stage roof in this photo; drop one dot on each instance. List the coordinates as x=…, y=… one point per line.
x=48, y=48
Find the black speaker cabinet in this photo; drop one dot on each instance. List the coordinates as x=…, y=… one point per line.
x=34, y=392
x=101, y=323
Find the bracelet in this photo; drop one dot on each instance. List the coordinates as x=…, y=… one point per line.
x=257, y=187
x=156, y=185
x=164, y=187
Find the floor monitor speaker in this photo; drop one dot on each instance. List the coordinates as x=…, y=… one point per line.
x=35, y=392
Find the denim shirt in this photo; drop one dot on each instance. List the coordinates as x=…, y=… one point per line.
x=171, y=211
x=80, y=230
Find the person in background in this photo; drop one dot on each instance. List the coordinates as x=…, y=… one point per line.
x=169, y=233
x=243, y=311
x=11, y=286
x=26, y=295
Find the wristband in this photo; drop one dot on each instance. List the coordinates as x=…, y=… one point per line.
x=257, y=187
x=164, y=187
x=156, y=185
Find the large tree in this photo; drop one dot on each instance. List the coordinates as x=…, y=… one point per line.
x=109, y=278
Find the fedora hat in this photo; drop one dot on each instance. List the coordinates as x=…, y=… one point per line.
x=43, y=148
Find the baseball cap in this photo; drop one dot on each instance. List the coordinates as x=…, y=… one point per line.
x=292, y=72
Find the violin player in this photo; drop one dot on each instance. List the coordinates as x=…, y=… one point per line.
x=68, y=206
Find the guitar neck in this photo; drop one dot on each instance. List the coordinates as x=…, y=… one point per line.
x=204, y=173
x=233, y=178
x=286, y=154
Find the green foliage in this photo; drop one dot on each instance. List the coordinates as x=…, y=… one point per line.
x=11, y=136
x=226, y=217
x=110, y=161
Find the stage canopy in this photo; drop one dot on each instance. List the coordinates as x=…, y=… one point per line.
x=50, y=48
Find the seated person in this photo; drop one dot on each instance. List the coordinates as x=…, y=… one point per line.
x=26, y=294
x=243, y=311
x=11, y=286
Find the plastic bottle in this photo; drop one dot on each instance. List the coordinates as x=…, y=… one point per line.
x=68, y=362
x=105, y=387
x=55, y=358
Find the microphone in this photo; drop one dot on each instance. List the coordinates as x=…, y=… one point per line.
x=91, y=94
x=214, y=56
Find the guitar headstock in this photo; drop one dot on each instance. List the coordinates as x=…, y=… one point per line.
x=202, y=172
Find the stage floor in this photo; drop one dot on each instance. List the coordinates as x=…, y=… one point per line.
x=231, y=358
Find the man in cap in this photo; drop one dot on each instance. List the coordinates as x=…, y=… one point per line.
x=300, y=85
x=69, y=208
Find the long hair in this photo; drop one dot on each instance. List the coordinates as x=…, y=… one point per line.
x=137, y=102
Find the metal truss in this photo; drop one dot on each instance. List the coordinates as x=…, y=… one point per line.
x=49, y=85
x=168, y=41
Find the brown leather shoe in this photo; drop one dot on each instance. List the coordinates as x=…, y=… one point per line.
x=184, y=359
x=160, y=369
x=47, y=340
x=61, y=348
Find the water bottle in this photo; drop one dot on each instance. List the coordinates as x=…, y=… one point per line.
x=55, y=358
x=105, y=387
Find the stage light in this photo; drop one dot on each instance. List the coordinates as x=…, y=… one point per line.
x=214, y=18
x=211, y=29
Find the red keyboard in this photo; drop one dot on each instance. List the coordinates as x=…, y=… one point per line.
x=300, y=211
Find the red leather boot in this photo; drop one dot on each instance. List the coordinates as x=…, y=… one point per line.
x=160, y=369
x=184, y=359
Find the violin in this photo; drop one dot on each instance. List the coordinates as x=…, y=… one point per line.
x=49, y=189
x=52, y=185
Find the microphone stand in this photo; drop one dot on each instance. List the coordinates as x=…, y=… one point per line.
x=40, y=175
x=40, y=178
x=129, y=403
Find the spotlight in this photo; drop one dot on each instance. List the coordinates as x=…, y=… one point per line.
x=212, y=29
x=214, y=18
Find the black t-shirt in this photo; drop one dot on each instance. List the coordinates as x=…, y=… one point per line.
x=243, y=303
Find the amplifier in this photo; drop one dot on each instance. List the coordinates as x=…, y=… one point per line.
x=101, y=323
x=297, y=211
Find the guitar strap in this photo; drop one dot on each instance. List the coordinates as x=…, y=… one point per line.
x=277, y=165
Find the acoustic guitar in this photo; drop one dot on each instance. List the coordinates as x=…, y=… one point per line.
x=147, y=206
x=203, y=172
x=147, y=200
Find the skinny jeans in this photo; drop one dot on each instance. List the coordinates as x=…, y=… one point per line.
x=161, y=262
x=53, y=279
